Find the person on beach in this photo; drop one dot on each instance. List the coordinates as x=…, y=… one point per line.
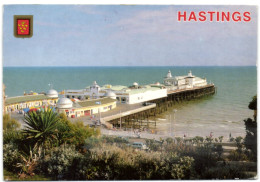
x=184, y=136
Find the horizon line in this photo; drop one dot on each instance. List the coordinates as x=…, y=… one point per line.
x=130, y=66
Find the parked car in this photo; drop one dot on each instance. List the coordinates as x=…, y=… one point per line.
x=139, y=145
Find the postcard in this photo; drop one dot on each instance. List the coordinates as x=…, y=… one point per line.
x=129, y=92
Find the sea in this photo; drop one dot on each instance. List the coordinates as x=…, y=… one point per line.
x=222, y=114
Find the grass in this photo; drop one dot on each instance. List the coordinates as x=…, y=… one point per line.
x=9, y=176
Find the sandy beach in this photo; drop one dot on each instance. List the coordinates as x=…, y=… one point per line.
x=131, y=133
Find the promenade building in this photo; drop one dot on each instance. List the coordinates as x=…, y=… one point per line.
x=89, y=107
x=30, y=101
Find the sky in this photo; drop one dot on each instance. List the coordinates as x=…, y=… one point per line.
x=128, y=35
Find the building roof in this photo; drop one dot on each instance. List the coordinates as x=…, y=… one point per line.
x=144, y=89
x=199, y=79
x=93, y=102
x=52, y=93
x=118, y=87
x=28, y=98
x=110, y=94
x=64, y=103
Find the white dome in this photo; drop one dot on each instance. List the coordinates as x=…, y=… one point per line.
x=52, y=93
x=110, y=94
x=64, y=103
x=135, y=84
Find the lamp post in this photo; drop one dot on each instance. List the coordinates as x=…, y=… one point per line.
x=120, y=120
x=174, y=111
x=99, y=103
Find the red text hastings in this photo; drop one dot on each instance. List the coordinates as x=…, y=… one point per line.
x=211, y=16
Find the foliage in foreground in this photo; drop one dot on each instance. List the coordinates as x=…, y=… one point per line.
x=10, y=124
x=74, y=152
x=45, y=130
x=114, y=163
x=10, y=176
x=250, y=141
x=40, y=127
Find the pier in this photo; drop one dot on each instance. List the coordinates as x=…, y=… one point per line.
x=137, y=116
x=125, y=116
x=177, y=96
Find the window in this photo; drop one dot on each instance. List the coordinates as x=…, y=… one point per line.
x=123, y=99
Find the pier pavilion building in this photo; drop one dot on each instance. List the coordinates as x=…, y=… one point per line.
x=31, y=101
x=139, y=94
x=129, y=95
x=183, y=82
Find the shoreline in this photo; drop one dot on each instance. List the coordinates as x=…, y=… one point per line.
x=147, y=134
x=156, y=136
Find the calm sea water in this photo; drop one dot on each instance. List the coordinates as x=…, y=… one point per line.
x=221, y=114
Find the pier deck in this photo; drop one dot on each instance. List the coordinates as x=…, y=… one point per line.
x=125, y=112
x=190, y=89
x=121, y=111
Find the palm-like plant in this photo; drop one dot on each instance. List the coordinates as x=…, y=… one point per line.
x=40, y=126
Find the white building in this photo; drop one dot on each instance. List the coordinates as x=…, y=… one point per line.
x=129, y=95
x=91, y=92
x=138, y=94
x=86, y=107
x=183, y=82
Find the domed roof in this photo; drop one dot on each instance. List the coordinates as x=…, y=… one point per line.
x=64, y=103
x=135, y=84
x=52, y=93
x=110, y=94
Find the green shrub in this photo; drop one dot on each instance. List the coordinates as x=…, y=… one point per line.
x=235, y=155
x=226, y=172
x=12, y=136
x=92, y=142
x=9, y=123
x=59, y=161
x=11, y=157
x=113, y=163
x=79, y=133
x=153, y=144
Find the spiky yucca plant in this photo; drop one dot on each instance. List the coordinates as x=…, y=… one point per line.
x=40, y=127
